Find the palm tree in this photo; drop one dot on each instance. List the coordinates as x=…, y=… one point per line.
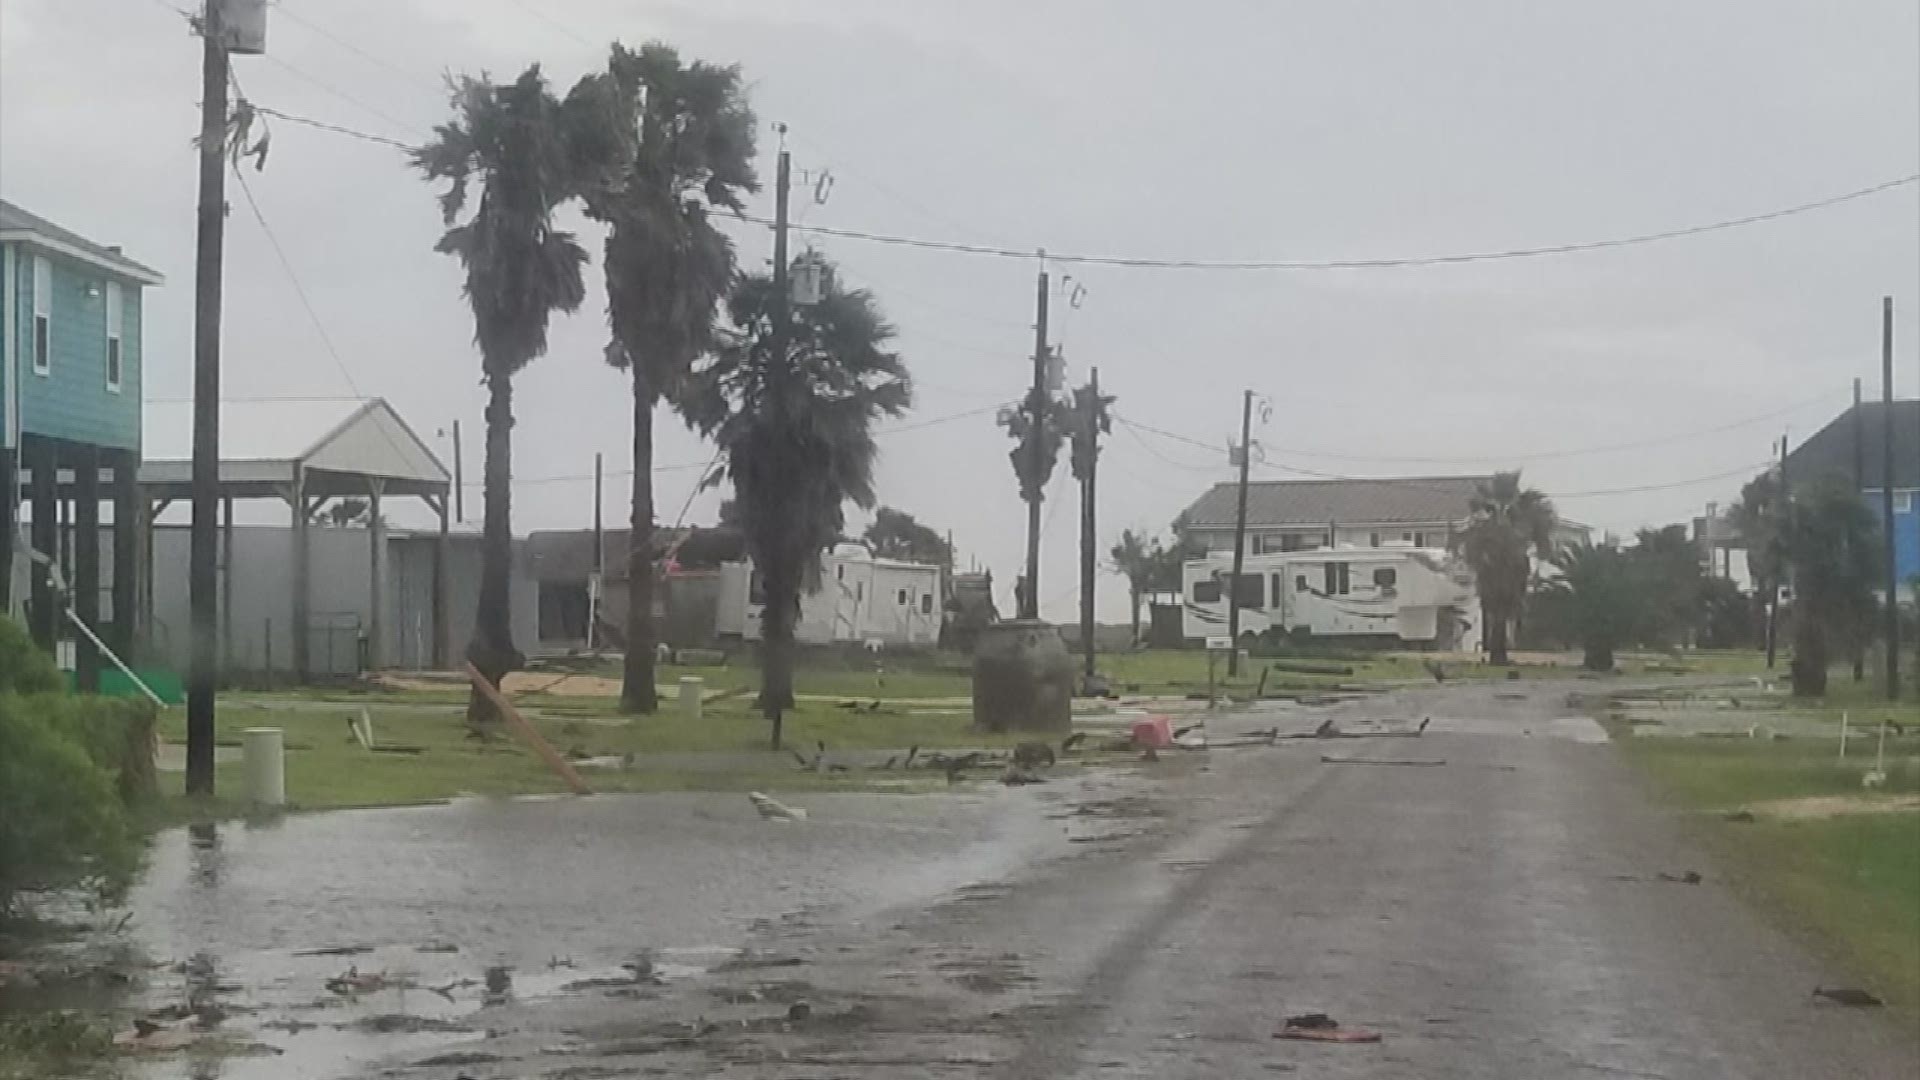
x=1140, y=561
x=1829, y=537
x=1602, y=597
x=1506, y=524
x=797, y=435
x=508, y=139
x=1759, y=518
x=669, y=143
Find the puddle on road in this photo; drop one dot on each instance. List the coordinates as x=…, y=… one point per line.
x=409, y=909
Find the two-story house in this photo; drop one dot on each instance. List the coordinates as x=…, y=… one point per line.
x=1831, y=453
x=70, y=368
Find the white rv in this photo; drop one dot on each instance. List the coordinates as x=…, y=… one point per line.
x=861, y=598
x=1420, y=596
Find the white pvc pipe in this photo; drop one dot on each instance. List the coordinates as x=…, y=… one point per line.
x=266, y=765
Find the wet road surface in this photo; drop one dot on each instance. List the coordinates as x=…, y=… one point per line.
x=259, y=917
x=1499, y=915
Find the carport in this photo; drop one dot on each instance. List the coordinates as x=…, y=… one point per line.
x=305, y=454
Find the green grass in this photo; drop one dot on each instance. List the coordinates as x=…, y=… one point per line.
x=1853, y=879
x=327, y=769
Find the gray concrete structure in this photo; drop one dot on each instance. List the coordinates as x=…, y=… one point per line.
x=306, y=454
x=256, y=605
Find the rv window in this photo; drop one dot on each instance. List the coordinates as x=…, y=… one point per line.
x=1338, y=579
x=1206, y=592
x=1419, y=539
x=1385, y=577
x=1251, y=592
x=859, y=591
x=840, y=572
x=903, y=598
x=1329, y=577
x=1278, y=581
x=756, y=588
x=926, y=603
x=1300, y=583
x=1373, y=539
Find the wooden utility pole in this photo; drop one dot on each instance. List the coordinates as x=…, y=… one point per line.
x=1091, y=422
x=459, y=479
x=776, y=682
x=1886, y=498
x=1036, y=446
x=203, y=599
x=1239, y=535
x=599, y=556
x=1780, y=569
x=1859, y=633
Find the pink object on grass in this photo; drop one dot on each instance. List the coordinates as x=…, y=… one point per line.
x=1153, y=733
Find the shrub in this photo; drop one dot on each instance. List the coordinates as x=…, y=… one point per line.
x=62, y=824
x=24, y=669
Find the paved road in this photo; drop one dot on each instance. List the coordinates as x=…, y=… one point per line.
x=1495, y=916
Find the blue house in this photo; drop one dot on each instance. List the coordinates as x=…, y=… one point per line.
x=1830, y=452
x=70, y=368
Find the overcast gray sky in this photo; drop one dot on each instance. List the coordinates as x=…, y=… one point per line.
x=1206, y=130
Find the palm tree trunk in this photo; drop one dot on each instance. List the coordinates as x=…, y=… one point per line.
x=1135, y=595
x=776, y=625
x=1809, y=665
x=637, y=691
x=1496, y=619
x=491, y=650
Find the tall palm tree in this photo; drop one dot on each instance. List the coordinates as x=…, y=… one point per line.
x=797, y=435
x=1506, y=525
x=508, y=140
x=679, y=139
x=1138, y=559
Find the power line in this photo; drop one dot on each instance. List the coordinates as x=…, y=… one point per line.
x=1543, y=455
x=335, y=128
x=287, y=12
x=1136, y=262
x=299, y=290
x=372, y=110
x=1425, y=484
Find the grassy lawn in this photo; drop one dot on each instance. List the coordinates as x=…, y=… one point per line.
x=1853, y=879
x=327, y=768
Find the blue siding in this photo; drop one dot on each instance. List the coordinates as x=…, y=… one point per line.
x=72, y=401
x=1906, y=533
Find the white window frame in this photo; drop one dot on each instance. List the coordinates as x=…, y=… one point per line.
x=116, y=340
x=1903, y=502
x=42, y=343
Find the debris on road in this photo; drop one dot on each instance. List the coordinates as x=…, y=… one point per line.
x=335, y=950
x=1319, y=1027
x=1329, y=759
x=1691, y=877
x=1847, y=995
x=775, y=811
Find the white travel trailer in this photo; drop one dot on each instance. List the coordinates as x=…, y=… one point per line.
x=861, y=598
x=1421, y=597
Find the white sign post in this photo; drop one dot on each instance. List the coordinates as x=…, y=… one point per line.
x=1216, y=644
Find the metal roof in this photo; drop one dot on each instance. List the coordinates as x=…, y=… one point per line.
x=1356, y=502
x=1830, y=450
x=17, y=224
x=263, y=442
